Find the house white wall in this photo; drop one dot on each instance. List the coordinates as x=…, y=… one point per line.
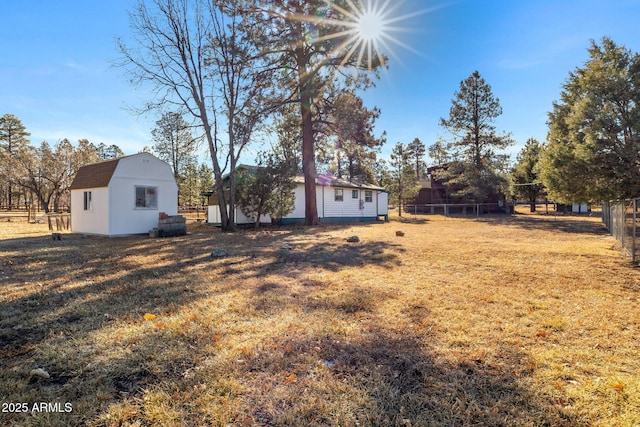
x=328, y=208
x=298, y=207
x=213, y=216
x=94, y=220
x=383, y=203
x=349, y=206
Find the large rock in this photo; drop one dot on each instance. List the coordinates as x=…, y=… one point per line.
x=219, y=253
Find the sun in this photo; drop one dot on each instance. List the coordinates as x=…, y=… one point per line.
x=366, y=29
x=370, y=26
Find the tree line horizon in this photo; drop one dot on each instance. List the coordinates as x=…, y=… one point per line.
x=241, y=65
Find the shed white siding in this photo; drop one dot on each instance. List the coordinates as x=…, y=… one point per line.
x=114, y=211
x=94, y=220
x=579, y=208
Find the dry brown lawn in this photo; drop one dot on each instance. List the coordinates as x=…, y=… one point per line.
x=504, y=321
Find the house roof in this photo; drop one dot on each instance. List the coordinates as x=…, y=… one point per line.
x=335, y=182
x=96, y=175
x=339, y=182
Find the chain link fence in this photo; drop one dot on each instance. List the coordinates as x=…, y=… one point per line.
x=622, y=219
x=458, y=208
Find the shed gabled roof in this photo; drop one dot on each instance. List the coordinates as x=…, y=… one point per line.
x=96, y=175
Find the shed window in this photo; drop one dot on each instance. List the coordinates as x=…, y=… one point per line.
x=354, y=194
x=368, y=196
x=146, y=197
x=338, y=194
x=88, y=205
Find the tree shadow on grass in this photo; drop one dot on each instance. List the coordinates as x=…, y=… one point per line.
x=292, y=258
x=383, y=374
x=412, y=219
x=364, y=372
x=386, y=377
x=54, y=295
x=572, y=225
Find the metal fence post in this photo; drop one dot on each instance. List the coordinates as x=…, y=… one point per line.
x=633, y=239
x=621, y=221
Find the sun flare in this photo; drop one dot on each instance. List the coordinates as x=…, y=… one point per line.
x=365, y=30
x=370, y=26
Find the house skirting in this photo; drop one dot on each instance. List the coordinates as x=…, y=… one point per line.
x=331, y=220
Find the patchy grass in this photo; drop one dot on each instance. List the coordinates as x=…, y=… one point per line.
x=503, y=321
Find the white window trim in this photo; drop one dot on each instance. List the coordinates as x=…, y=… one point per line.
x=370, y=194
x=135, y=197
x=87, y=202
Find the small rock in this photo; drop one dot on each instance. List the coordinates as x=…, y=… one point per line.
x=353, y=239
x=286, y=246
x=39, y=372
x=219, y=253
x=400, y=233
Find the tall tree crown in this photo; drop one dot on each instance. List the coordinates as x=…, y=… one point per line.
x=476, y=173
x=593, y=145
x=13, y=134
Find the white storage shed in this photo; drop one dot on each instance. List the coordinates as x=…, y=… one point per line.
x=122, y=196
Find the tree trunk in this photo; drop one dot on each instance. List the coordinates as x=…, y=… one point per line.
x=258, y=215
x=231, y=221
x=532, y=205
x=44, y=203
x=217, y=173
x=308, y=162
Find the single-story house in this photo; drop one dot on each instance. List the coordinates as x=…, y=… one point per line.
x=338, y=200
x=122, y=196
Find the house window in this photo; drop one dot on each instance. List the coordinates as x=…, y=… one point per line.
x=146, y=197
x=368, y=196
x=354, y=194
x=88, y=205
x=338, y=194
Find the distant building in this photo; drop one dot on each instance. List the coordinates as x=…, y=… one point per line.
x=433, y=191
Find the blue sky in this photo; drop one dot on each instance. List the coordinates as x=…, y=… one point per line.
x=56, y=73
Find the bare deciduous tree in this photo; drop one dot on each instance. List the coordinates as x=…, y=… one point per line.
x=197, y=58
